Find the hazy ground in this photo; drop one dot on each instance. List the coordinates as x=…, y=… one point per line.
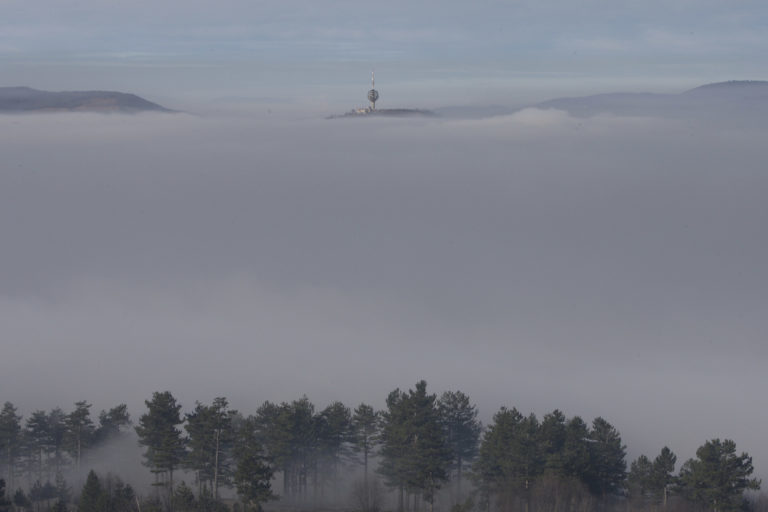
x=605, y=266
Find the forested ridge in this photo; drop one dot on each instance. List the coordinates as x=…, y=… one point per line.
x=422, y=452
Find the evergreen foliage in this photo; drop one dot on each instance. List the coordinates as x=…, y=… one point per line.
x=420, y=442
x=607, y=459
x=20, y=500
x=111, y=423
x=5, y=503
x=210, y=438
x=414, y=451
x=364, y=438
x=79, y=431
x=92, y=495
x=717, y=478
x=158, y=431
x=461, y=428
x=10, y=440
x=253, y=473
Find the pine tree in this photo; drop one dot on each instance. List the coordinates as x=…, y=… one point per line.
x=607, y=459
x=184, y=498
x=79, y=430
x=253, y=473
x=365, y=428
x=37, y=441
x=92, y=495
x=395, y=444
x=639, y=479
x=495, y=466
x=461, y=429
x=210, y=438
x=57, y=432
x=5, y=503
x=111, y=423
x=718, y=478
x=414, y=452
x=10, y=439
x=661, y=477
x=552, y=435
x=21, y=501
x=576, y=452
x=334, y=436
x=158, y=432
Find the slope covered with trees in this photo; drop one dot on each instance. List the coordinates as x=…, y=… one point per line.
x=423, y=451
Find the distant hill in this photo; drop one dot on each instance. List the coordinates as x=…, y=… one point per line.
x=26, y=99
x=746, y=100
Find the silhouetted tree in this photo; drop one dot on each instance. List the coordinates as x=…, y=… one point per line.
x=210, y=440
x=607, y=459
x=414, y=452
x=253, y=474
x=461, y=427
x=79, y=430
x=365, y=428
x=5, y=503
x=717, y=477
x=661, y=477
x=92, y=495
x=158, y=431
x=10, y=439
x=333, y=437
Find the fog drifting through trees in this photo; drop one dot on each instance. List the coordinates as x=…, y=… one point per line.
x=425, y=450
x=608, y=267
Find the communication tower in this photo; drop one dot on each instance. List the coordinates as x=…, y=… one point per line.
x=373, y=94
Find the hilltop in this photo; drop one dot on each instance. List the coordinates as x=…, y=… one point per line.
x=26, y=99
x=745, y=98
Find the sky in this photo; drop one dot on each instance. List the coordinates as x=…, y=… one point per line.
x=428, y=53
x=249, y=248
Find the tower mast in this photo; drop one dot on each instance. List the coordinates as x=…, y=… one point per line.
x=373, y=94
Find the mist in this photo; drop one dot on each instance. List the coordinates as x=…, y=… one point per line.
x=604, y=266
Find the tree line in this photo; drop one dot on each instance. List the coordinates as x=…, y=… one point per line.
x=422, y=447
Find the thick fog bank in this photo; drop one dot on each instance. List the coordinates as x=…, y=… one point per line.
x=604, y=266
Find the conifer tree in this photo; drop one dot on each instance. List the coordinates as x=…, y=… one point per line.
x=37, y=441
x=79, y=430
x=365, y=427
x=461, y=427
x=92, y=495
x=414, y=452
x=5, y=503
x=158, y=431
x=607, y=459
x=639, y=479
x=10, y=439
x=661, y=477
x=57, y=432
x=333, y=436
x=717, y=478
x=253, y=473
x=552, y=435
x=210, y=439
x=111, y=423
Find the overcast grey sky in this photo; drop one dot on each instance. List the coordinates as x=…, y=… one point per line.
x=428, y=53
x=603, y=266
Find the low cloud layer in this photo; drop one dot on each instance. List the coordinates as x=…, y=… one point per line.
x=604, y=266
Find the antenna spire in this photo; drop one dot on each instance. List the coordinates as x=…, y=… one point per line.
x=373, y=94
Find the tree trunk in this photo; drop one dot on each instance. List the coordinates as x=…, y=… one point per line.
x=170, y=490
x=458, y=482
x=216, y=468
